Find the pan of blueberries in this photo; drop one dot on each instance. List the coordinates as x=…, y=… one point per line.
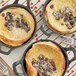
x=22, y=62
x=15, y=4
x=58, y=16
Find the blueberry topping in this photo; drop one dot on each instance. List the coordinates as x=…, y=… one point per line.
x=72, y=22
x=72, y=26
x=71, y=17
x=19, y=23
x=67, y=24
x=62, y=15
x=41, y=63
x=8, y=13
x=41, y=57
x=67, y=15
x=49, y=69
x=6, y=24
x=69, y=27
x=75, y=18
x=17, y=19
x=44, y=74
x=62, y=10
x=21, y=15
x=52, y=6
x=46, y=59
x=6, y=18
x=66, y=19
x=67, y=8
x=44, y=65
x=12, y=15
x=40, y=67
x=62, y=23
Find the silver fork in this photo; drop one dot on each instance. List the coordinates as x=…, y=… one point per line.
x=69, y=40
x=3, y=69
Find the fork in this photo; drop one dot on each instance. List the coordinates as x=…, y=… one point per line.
x=69, y=40
x=3, y=69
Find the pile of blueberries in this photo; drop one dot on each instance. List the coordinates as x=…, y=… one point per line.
x=18, y=22
x=44, y=65
x=67, y=15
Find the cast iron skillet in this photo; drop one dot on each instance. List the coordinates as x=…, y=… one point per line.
x=15, y=4
x=45, y=23
x=23, y=64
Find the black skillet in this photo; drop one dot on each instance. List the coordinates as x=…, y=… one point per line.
x=45, y=23
x=23, y=64
x=15, y=4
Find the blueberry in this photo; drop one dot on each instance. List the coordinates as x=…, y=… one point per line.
x=8, y=13
x=6, y=18
x=44, y=74
x=12, y=15
x=50, y=61
x=66, y=15
x=6, y=24
x=47, y=65
x=75, y=18
x=21, y=15
x=62, y=10
x=69, y=27
x=72, y=22
x=62, y=23
x=22, y=20
x=54, y=68
x=52, y=6
x=40, y=67
x=67, y=24
x=66, y=20
x=17, y=19
x=24, y=23
x=40, y=57
x=49, y=69
x=67, y=8
x=46, y=59
x=72, y=26
x=41, y=62
x=62, y=15
x=17, y=23
x=57, y=18
x=45, y=68
x=71, y=17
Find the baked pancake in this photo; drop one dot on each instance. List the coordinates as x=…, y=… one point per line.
x=45, y=59
x=61, y=15
x=16, y=26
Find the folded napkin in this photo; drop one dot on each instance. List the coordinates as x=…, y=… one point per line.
x=10, y=70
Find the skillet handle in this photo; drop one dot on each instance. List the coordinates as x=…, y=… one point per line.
x=42, y=29
x=15, y=70
x=16, y=2
x=74, y=51
x=28, y=4
x=9, y=51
